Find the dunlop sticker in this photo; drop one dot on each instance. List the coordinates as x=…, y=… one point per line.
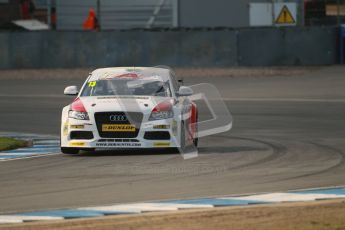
x=65, y=129
x=118, y=128
x=174, y=127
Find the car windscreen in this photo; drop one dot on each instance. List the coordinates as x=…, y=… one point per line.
x=127, y=87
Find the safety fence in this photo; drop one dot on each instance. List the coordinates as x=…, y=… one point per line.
x=120, y=14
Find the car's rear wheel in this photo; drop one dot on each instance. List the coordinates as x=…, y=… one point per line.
x=69, y=150
x=88, y=149
x=183, y=136
x=196, y=139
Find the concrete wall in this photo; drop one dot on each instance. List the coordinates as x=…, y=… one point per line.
x=220, y=13
x=216, y=13
x=243, y=47
x=293, y=46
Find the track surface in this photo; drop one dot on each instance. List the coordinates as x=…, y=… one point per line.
x=289, y=133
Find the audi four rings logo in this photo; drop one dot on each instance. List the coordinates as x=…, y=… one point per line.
x=117, y=118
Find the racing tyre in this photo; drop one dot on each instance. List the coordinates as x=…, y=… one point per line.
x=183, y=137
x=69, y=150
x=89, y=150
x=196, y=140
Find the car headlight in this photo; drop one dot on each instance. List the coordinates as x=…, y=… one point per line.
x=78, y=111
x=78, y=115
x=163, y=110
x=161, y=115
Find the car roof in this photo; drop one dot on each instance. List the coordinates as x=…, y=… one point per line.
x=104, y=73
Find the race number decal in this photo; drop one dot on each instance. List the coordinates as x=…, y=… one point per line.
x=92, y=84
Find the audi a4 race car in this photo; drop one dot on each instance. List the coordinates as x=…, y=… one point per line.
x=129, y=107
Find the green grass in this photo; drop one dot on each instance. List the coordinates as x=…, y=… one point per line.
x=7, y=143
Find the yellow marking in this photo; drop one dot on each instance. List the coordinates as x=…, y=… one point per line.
x=118, y=128
x=77, y=144
x=76, y=126
x=174, y=127
x=65, y=129
x=161, y=144
x=161, y=126
x=92, y=83
x=285, y=16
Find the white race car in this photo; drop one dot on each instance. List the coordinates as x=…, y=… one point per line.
x=129, y=107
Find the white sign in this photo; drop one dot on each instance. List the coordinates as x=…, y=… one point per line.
x=260, y=14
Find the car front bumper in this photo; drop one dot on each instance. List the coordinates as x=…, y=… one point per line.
x=169, y=127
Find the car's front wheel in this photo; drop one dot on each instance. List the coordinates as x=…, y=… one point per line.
x=69, y=150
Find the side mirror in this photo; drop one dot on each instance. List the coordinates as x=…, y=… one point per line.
x=185, y=91
x=71, y=90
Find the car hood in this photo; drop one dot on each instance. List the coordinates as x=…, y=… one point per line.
x=143, y=104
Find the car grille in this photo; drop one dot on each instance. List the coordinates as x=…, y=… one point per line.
x=157, y=135
x=80, y=135
x=133, y=118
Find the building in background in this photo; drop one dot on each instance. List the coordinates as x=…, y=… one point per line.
x=9, y=10
x=36, y=10
x=118, y=14
x=153, y=14
x=327, y=12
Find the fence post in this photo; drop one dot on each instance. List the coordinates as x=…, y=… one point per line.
x=341, y=43
x=99, y=13
x=338, y=13
x=175, y=13
x=302, y=14
x=49, y=13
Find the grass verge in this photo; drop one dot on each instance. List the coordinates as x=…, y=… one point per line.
x=7, y=143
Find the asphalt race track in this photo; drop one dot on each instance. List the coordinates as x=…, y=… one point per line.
x=288, y=133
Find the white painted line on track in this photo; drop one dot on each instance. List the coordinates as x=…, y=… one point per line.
x=31, y=95
x=184, y=206
x=4, y=219
x=40, y=142
x=285, y=197
x=286, y=100
x=226, y=99
x=112, y=208
x=32, y=150
x=143, y=207
x=147, y=207
x=43, y=145
x=17, y=154
x=28, y=157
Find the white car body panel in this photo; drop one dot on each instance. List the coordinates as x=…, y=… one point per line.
x=127, y=104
